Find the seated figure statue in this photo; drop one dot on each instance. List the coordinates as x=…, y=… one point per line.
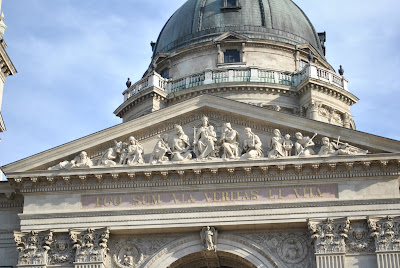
x=251, y=146
x=135, y=152
x=181, y=146
x=158, y=156
x=204, y=140
x=304, y=145
x=230, y=142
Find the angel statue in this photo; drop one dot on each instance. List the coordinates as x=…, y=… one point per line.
x=209, y=237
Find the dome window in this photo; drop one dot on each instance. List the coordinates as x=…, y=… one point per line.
x=231, y=56
x=165, y=73
x=230, y=5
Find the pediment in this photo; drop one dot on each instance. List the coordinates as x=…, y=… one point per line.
x=188, y=114
x=231, y=36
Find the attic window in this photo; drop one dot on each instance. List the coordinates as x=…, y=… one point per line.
x=230, y=5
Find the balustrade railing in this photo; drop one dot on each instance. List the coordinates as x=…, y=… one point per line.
x=250, y=74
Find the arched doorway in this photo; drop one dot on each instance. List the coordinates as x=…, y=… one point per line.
x=215, y=259
x=232, y=252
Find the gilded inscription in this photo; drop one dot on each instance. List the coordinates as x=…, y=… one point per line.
x=267, y=194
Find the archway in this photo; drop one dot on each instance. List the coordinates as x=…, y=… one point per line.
x=215, y=259
x=232, y=252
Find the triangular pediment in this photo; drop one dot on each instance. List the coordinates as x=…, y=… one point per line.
x=188, y=114
x=231, y=36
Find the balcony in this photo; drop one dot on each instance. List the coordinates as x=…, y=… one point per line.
x=237, y=74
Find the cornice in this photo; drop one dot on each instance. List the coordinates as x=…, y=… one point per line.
x=138, y=98
x=9, y=68
x=328, y=89
x=209, y=173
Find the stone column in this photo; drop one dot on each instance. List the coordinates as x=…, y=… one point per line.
x=328, y=238
x=33, y=248
x=90, y=247
x=387, y=240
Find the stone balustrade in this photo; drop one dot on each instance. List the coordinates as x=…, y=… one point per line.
x=237, y=74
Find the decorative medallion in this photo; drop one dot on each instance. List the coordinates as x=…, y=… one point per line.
x=127, y=255
x=292, y=250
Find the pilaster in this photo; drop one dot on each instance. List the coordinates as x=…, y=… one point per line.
x=386, y=236
x=328, y=238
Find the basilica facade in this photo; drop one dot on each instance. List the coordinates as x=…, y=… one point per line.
x=238, y=149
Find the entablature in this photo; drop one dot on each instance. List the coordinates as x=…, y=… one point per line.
x=209, y=173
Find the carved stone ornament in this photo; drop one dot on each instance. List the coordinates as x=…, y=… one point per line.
x=292, y=250
x=329, y=236
x=251, y=146
x=177, y=147
x=90, y=245
x=359, y=239
x=339, y=148
x=61, y=251
x=127, y=255
x=385, y=233
x=33, y=247
x=209, y=238
x=80, y=161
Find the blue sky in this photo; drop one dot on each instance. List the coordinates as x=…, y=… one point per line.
x=73, y=58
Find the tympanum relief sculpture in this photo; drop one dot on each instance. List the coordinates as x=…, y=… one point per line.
x=177, y=147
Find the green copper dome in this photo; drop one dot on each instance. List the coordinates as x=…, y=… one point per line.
x=203, y=20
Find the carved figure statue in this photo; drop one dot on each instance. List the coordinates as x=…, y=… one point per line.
x=339, y=148
x=80, y=161
x=288, y=145
x=204, y=140
x=251, y=146
x=230, y=142
x=276, y=145
x=134, y=153
x=304, y=145
x=181, y=146
x=209, y=237
x=158, y=155
x=327, y=148
x=110, y=156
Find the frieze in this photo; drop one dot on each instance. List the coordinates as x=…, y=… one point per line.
x=222, y=196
